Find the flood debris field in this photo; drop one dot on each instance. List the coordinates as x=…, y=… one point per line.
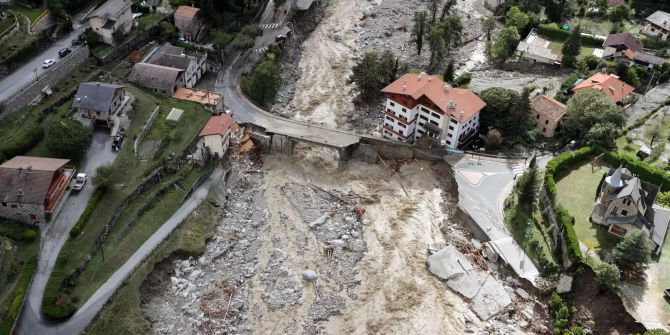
x=328, y=251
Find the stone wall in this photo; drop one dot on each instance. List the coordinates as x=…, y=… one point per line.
x=20, y=213
x=59, y=71
x=44, y=22
x=145, y=129
x=9, y=32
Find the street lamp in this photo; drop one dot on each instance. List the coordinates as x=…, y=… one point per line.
x=36, y=77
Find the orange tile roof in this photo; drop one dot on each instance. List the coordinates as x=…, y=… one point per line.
x=439, y=93
x=35, y=163
x=186, y=11
x=218, y=125
x=199, y=96
x=608, y=84
x=630, y=54
x=548, y=107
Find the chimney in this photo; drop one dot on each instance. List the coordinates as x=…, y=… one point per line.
x=451, y=104
x=430, y=78
x=98, y=83
x=20, y=169
x=29, y=169
x=19, y=192
x=404, y=87
x=418, y=78
x=445, y=87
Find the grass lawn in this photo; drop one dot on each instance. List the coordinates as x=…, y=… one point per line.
x=122, y=315
x=594, y=26
x=576, y=191
x=6, y=23
x=14, y=254
x=101, y=50
x=31, y=13
x=556, y=47
x=133, y=226
x=12, y=45
x=518, y=218
x=623, y=146
x=149, y=20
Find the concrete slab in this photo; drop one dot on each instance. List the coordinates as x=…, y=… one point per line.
x=564, y=284
x=448, y=263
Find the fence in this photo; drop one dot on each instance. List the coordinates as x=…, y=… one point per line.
x=145, y=129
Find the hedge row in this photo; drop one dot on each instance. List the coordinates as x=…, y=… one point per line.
x=17, y=298
x=553, y=32
x=79, y=226
x=558, y=164
x=643, y=170
x=568, y=222
x=22, y=142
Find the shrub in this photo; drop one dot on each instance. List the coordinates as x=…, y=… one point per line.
x=29, y=235
x=18, y=296
x=559, y=163
x=79, y=226
x=567, y=222
x=643, y=170
x=22, y=142
x=607, y=274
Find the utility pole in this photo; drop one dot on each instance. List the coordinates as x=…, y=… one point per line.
x=102, y=250
x=36, y=77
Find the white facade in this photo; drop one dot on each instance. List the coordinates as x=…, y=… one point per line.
x=409, y=124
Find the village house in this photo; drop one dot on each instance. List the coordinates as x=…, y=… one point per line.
x=626, y=203
x=606, y=83
x=217, y=133
x=188, y=22
x=99, y=101
x=112, y=18
x=616, y=45
x=548, y=114
x=536, y=49
x=32, y=187
x=171, y=67
x=425, y=106
x=658, y=25
x=159, y=79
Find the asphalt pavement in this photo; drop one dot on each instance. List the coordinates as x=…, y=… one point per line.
x=28, y=73
x=56, y=233
x=482, y=189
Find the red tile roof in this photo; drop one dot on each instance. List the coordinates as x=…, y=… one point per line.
x=550, y=108
x=439, y=93
x=35, y=163
x=186, y=11
x=608, y=84
x=218, y=125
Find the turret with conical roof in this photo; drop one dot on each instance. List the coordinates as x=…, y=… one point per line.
x=612, y=183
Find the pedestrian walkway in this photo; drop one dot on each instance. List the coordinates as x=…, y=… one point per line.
x=261, y=50
x=271, y=26
x=518, y=170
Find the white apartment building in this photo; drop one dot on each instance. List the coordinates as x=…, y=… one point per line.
x=422, y=105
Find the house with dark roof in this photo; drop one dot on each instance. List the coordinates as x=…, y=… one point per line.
x=31, y=188
x=99, y=101
x=189, y=23
x=111, y=17
x=622, y=42
x=193, y=65
x=610, y=84
x=626, y=203
x=423, y=106
x=548, y=114
x=658, y=25
x=160, y=79
x=217, y=133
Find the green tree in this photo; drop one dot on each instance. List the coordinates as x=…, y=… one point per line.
x=243, y=42
x=105, y=176
x=435, y=39
x=433, y=6
x=220, y=39
x=528, y=184
x=68, y=139
x=448, y=75
x=519, y=116
x=463, y=80
x=373, y=72
x=516, y=18
x=603, y=134
x=488, y=25
x=419, y=30
x=167, y=31
x=652, y=132
x=452, y=28
x=587, y=108
x=446, y=8
x=634, y=251
x=607, y=274
x=504, y=43
x=619, y=13
x=252, y=30
x=498, y=110
x=93, y=39
x=572, y=48
x=263, y=82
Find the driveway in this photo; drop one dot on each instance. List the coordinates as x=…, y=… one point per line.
x=482, y=188
x=56, y=233
x=28, y=72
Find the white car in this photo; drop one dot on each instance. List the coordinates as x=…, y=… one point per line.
x=48, y=63
x=79, y=182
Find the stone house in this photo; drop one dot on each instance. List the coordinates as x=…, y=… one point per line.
x=658, y=25
x=159, y=79
x=31, y=188
x=99, y=101
x=168, y=68
x=548, y=114
x=536, y=49
x=217, y=133
x=626, y=203
x=188, y=22
x=111, y=17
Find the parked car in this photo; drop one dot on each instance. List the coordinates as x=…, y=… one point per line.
x=48, y=63
x=280, y=38
x=666, y=293
x=644, y=152
x=77, y=41
x=79, y=182
x=64, y=52
x=116, y=143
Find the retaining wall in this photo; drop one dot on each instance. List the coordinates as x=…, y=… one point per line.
x=60, y=70
x=145, y=129
x=9, y=32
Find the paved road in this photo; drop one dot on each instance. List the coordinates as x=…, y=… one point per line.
x=26, y=75
x=482, y=188
x=56, y=233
